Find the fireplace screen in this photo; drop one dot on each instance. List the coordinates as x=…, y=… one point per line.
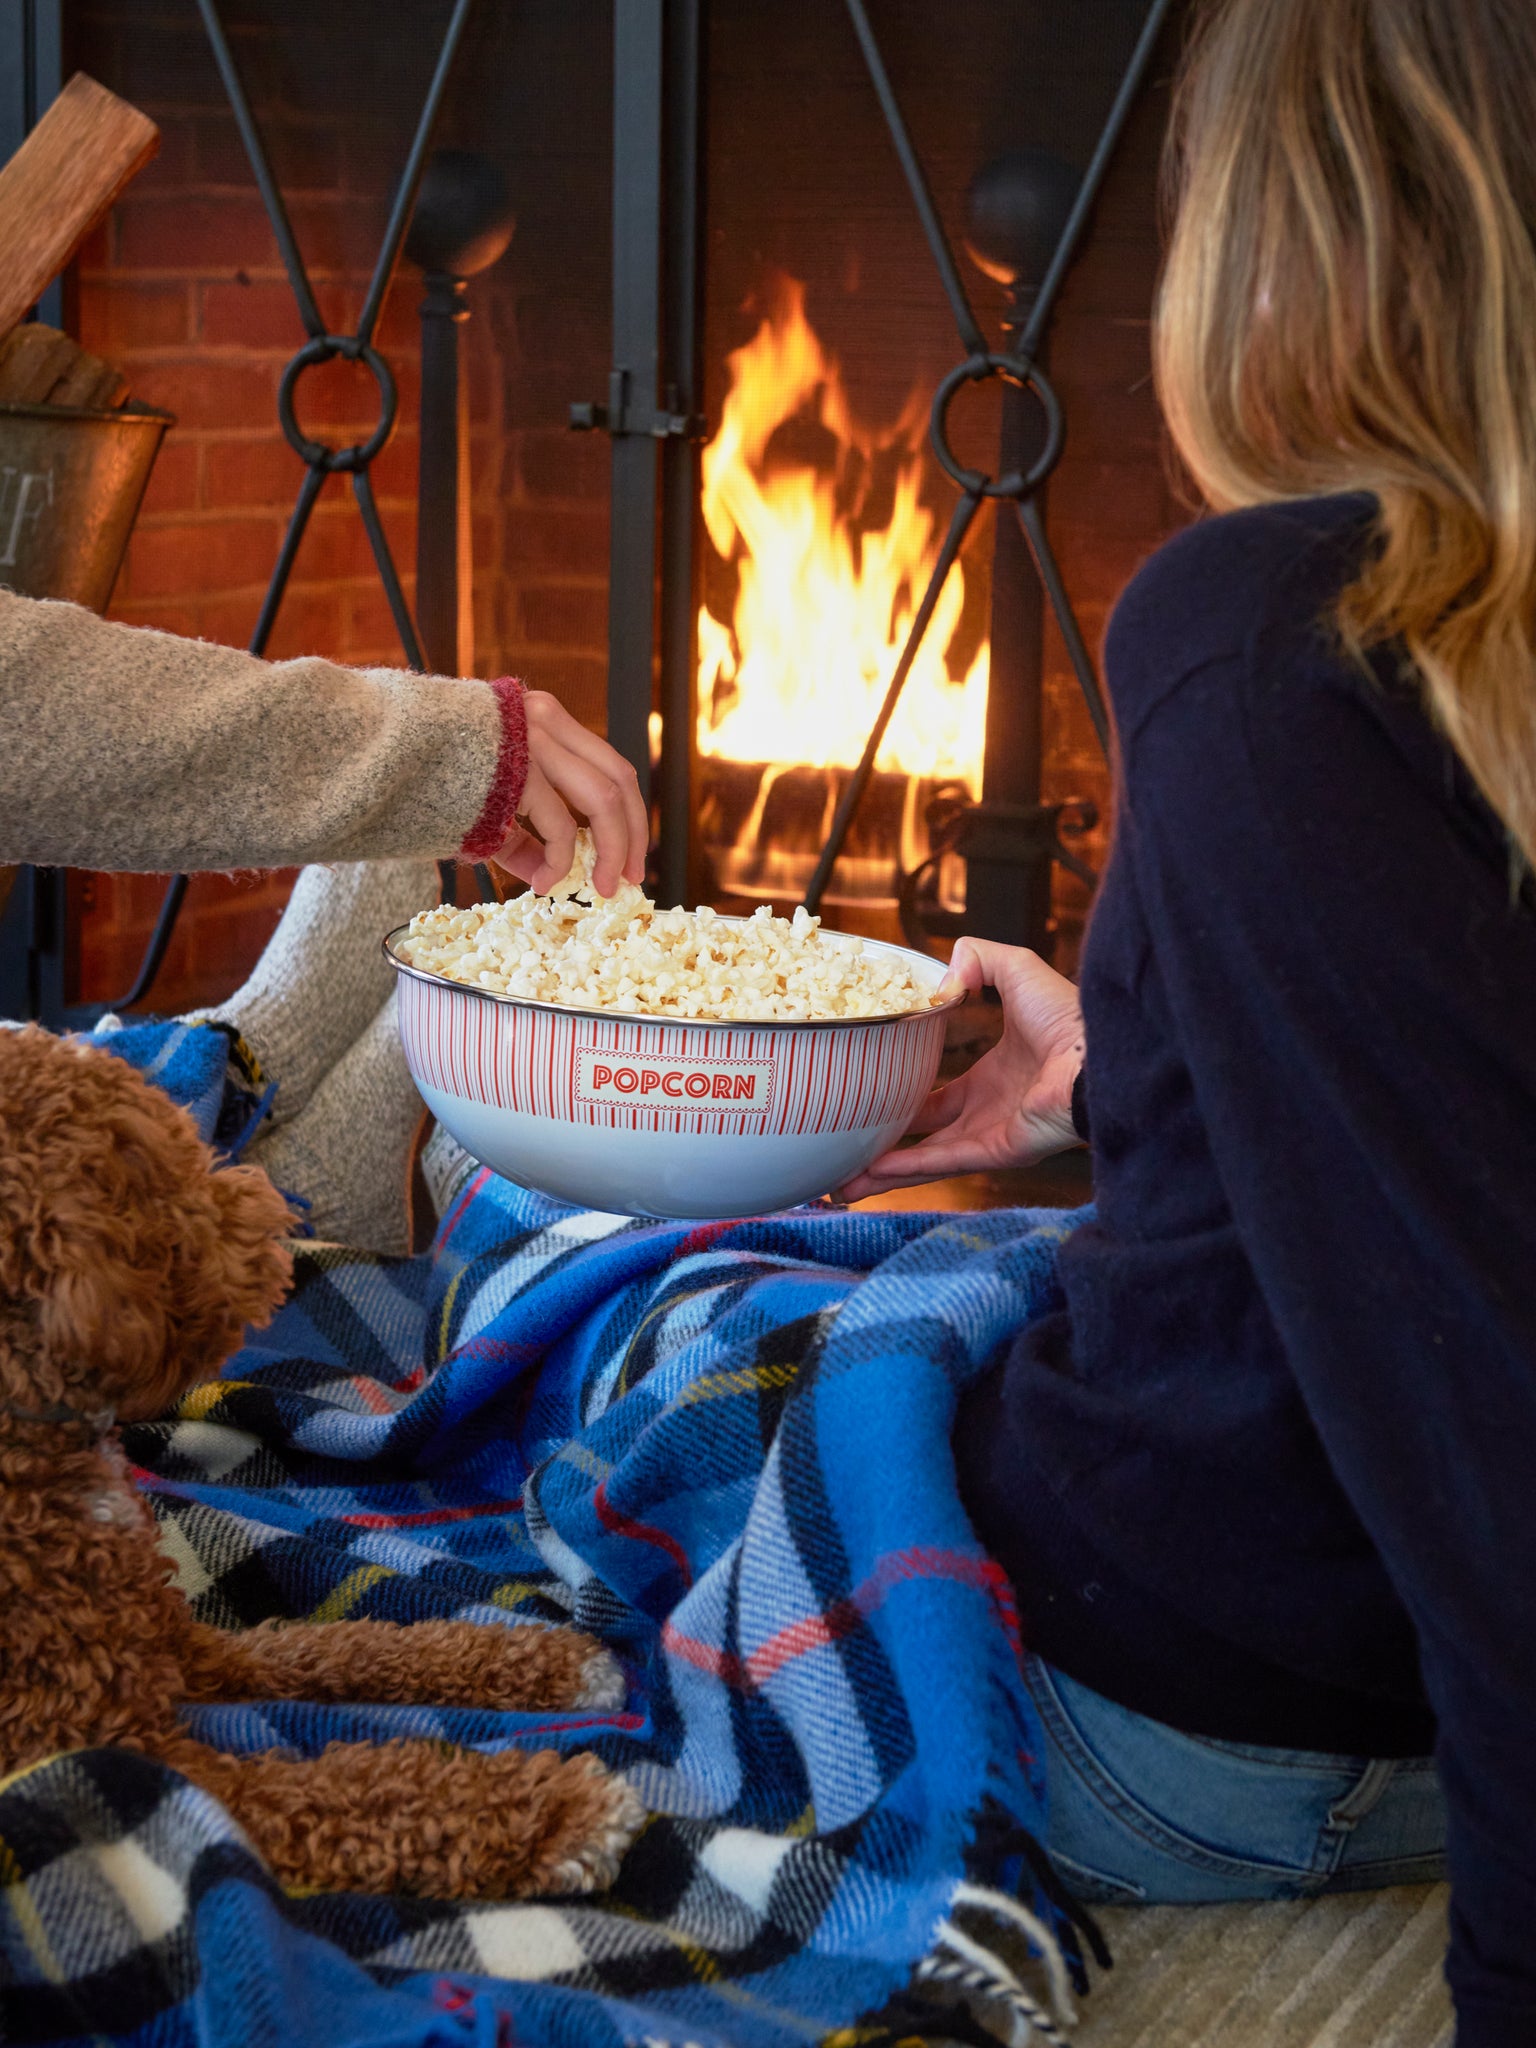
x=839, y=291
x=841, y=692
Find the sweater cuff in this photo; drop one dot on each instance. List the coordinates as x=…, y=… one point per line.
x=494, y=824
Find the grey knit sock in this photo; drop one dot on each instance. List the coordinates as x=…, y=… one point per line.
x=348, y=1152
x=447, y=1170
x=319, y=985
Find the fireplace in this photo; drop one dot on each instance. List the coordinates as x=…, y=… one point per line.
x=805, y=245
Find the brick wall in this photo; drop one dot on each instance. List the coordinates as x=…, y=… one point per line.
x=184, y=289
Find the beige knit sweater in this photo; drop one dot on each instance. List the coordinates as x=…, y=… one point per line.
x=129, y=749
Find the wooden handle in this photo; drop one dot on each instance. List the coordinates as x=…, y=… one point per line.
x=61, y=181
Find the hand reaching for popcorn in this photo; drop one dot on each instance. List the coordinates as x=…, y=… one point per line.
x=1014, y=1107
x=571, y=769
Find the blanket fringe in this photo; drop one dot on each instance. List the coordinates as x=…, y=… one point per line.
x=1027, y=2018
x=1003, y=1906
x=962, y=1963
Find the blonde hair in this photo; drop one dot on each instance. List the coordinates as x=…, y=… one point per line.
x=1349, y=303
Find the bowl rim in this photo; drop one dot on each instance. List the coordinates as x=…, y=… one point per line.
x=491, y=995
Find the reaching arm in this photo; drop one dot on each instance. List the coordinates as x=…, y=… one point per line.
x=127, y=749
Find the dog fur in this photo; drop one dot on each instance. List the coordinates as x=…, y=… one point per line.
x=129, y=1267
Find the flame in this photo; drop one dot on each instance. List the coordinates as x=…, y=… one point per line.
x=825, y=598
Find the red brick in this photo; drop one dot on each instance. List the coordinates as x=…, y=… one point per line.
x=339, y=235
x=564, y=465
x=372, y=158
x=578, y=680
x=95, y=253
x=173, y=480
x=558, y=327
x=253, y=472
x=1119, y=428
x=1074, y=731
x=1114, y=276
x=396, y=467
x=225, y=923
x=304, y=157
x=336, y=545
x=249, y=314
x=370, y=632
x=399, y=325
x=310, y=621
x=382, y=654
x=206, y=391
x=1118, y=500
x=570, y=540
x=339, y=397
x=183, y=232
x=564, y=616
x=164, y=66
x=212, y=555
x=1101, y=351
x=225, y=943
x=116, y=318
x=108, y=962
x=406, y=365
x=102, y=912
x=1095, y=567
x=229, y=621
x=483, y=379
x=171, y=166
x=156, y=612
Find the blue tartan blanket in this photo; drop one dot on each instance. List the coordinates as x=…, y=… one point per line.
x=724, y=1449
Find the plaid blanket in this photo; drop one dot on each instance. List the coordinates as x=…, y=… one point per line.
x=724, y=1449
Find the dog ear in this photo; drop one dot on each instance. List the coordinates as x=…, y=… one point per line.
x=148, y=1319
x=245, y=1268
x=144, y=1263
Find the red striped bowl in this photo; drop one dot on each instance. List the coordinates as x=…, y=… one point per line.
x=640, y=1116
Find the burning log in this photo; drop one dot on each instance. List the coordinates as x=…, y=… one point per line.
x=821, y=522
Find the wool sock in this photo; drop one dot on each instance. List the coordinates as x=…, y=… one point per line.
x=319, y=985
x=348, y=1151
x=447, y=1170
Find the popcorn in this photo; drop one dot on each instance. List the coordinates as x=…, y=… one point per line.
x=621, y=953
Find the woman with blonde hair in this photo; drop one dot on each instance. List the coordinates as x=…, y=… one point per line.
x=1264, y=1486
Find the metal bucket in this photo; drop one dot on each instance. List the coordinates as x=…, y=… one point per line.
x=70, y=485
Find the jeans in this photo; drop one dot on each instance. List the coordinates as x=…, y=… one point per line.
x=1141, y=1813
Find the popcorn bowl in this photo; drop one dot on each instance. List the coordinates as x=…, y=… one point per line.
x=653, y=1116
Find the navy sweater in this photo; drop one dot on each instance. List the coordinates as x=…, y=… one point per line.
x=1272, y=1474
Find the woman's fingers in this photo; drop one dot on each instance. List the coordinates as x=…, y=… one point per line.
x=912, y=1166
x=940, y=1109
x=966, y=968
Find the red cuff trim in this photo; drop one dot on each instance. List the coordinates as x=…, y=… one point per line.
x=494, y=824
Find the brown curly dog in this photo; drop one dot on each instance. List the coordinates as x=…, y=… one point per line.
x=129, y=1267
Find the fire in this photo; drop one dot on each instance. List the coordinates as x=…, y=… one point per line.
x=825, y=597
